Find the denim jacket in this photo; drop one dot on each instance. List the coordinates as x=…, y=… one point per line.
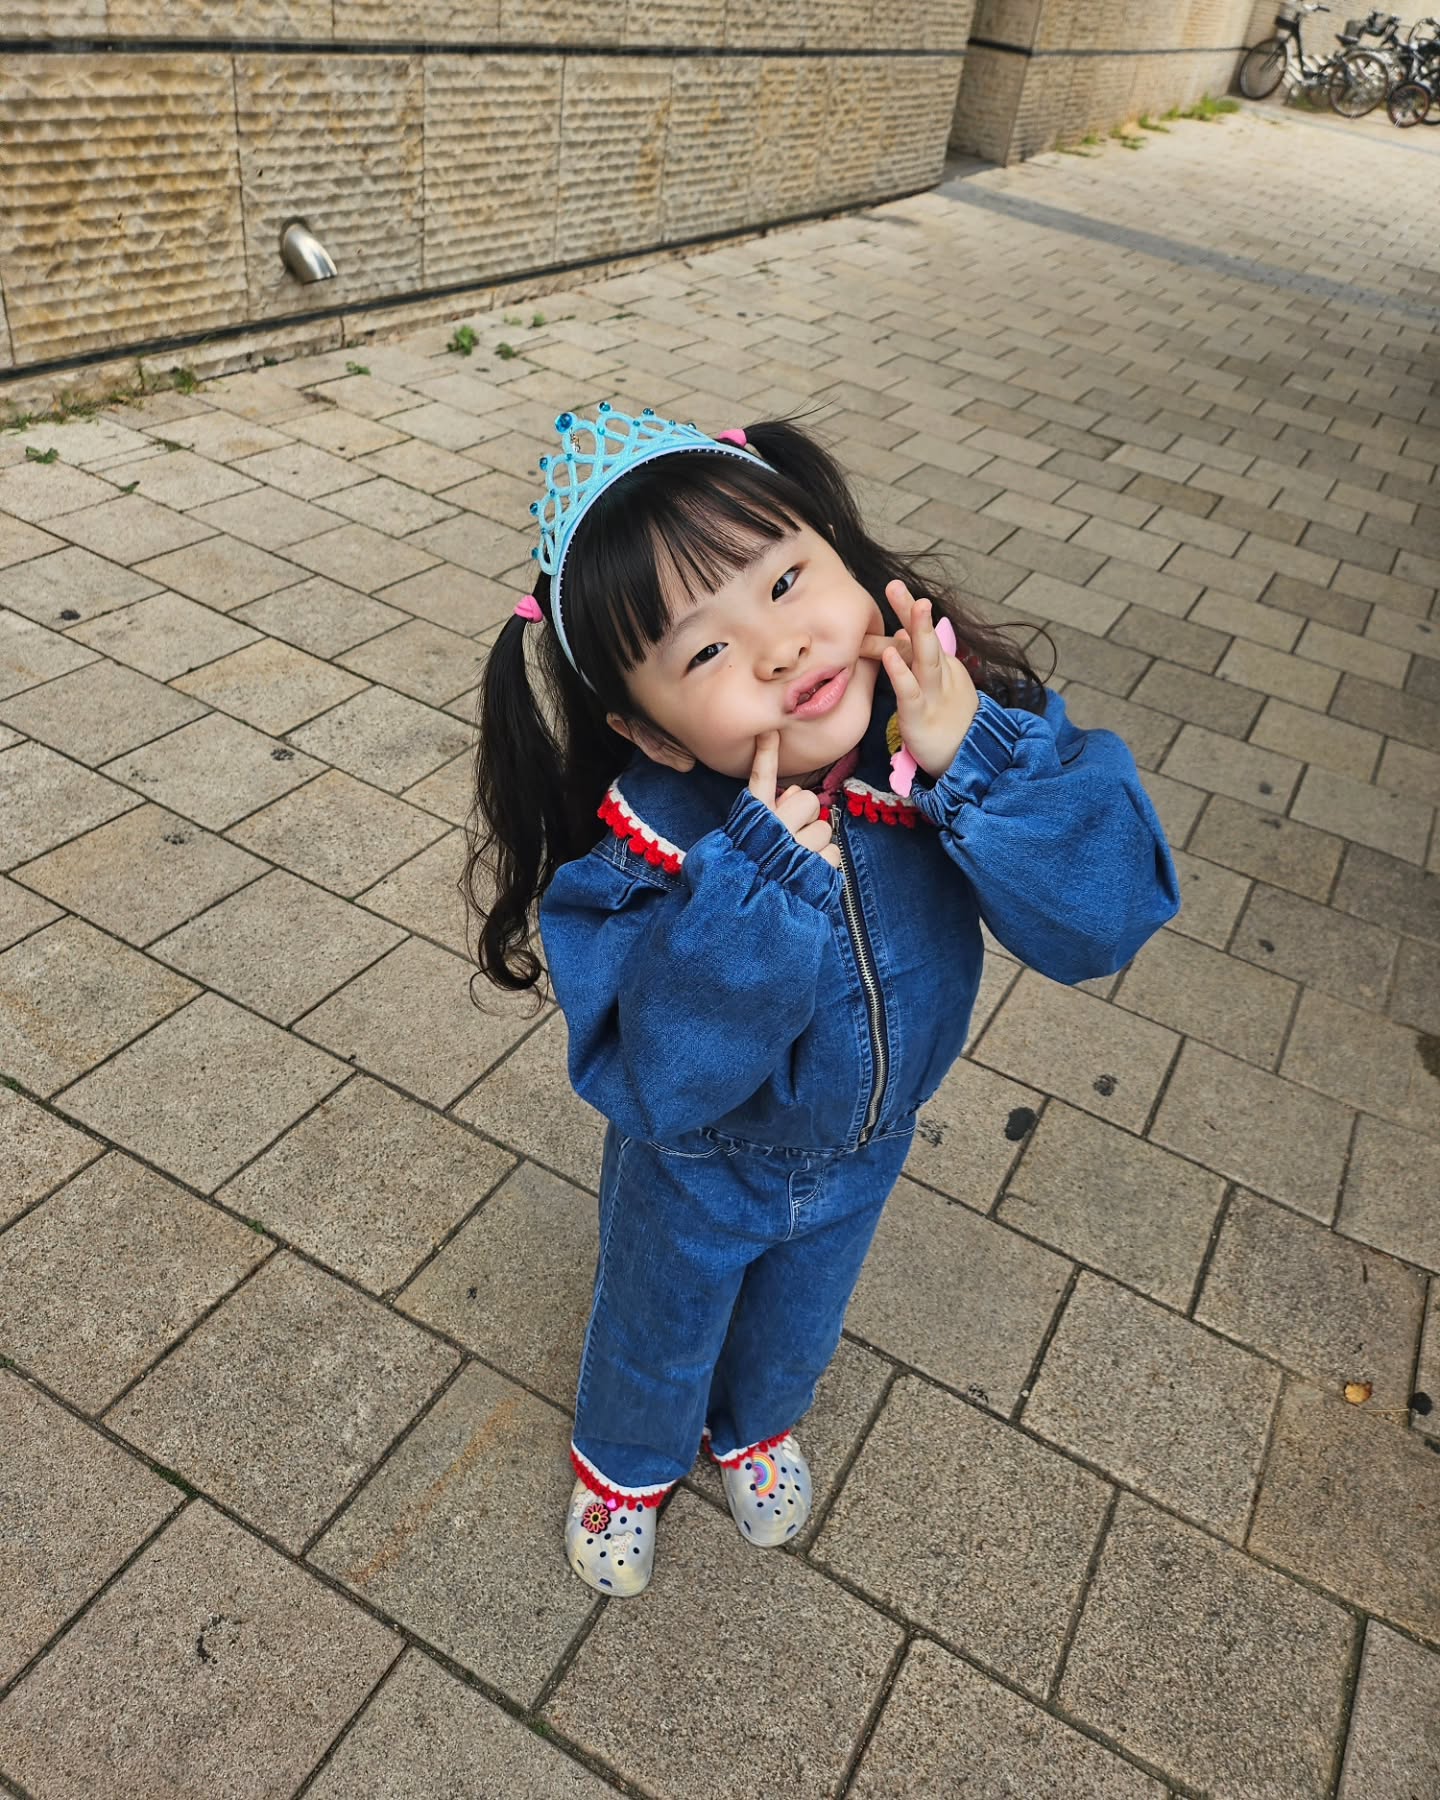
x=724, y=985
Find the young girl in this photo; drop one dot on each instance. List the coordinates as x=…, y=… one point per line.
x=767, y=943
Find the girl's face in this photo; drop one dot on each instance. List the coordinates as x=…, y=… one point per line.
x=777, y=648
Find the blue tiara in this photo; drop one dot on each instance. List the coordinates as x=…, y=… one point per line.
x=593, y=454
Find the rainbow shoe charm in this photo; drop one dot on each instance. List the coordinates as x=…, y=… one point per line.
x=769, y=1492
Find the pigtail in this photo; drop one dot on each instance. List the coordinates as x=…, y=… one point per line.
x=517, y=773
x=544, y=759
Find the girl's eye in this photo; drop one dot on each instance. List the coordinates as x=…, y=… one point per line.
x=706, y=655
x=785, y=583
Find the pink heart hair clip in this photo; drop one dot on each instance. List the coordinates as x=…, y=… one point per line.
x=529, y=610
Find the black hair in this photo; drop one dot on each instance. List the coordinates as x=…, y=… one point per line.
x=546, y=756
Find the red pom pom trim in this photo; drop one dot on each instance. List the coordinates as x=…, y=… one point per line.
x=880, y=809
x=621, y=1502
x=656, y=852
x=861, y=802
x=734, y=1462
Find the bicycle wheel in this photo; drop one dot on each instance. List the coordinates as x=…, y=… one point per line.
x=1263, y=69
x=1360, y=82
x=1408, y=104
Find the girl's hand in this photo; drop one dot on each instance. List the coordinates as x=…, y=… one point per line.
x=934, y=694
x=797, y=809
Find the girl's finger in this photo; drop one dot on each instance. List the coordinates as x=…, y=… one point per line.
x=906, y=687
x=765, y=768
x=901, y=600
x=873, y=646
x=927, y=645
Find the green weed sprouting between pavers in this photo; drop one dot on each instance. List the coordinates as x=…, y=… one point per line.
x=1207, y=108
x=463, y=340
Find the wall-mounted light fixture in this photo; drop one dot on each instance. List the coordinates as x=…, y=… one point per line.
x=303, y=254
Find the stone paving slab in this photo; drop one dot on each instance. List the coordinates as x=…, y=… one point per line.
x=1094, y=1514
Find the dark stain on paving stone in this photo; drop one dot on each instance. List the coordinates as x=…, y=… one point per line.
x=1020, y=1123
x=1428, y=1046
x=282, y=755
x=933, y=1134
x=211, y=1653
x=1105, y=1085
x=1421, y=1403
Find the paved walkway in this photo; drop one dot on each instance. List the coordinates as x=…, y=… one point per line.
x=1124, y=1482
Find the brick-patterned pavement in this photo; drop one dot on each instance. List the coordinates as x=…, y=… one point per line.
x=296, y=1243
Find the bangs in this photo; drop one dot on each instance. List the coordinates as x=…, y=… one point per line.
x=674, y=529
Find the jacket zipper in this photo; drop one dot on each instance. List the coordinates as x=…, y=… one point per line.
x=869, y=980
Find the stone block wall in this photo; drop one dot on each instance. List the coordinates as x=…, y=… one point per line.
x=1043, y=72
x=151, y=150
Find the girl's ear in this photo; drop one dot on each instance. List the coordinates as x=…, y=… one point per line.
x=659, y=749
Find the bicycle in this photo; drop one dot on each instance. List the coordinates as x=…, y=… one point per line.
x=1412, y=98
x=1354, y=80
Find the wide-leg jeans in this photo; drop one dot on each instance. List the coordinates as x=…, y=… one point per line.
x=720, y=1292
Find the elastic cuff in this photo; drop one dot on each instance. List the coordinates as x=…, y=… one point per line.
x=758, y=833
x=734, y=1458
x=986, y=750
x=614, y=1497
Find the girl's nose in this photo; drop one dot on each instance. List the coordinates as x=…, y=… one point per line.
x=783, y=656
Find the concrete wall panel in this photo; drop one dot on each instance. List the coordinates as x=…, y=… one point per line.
x=792, y=101
x=124, y=217
x=690, y=23
x=492, y=162
x=714, y=109
x=336, y=141
x=203, y=19
x=415, y=21
x=776, y=24
x=612, y=153
x=51, y=18
x=550, y=23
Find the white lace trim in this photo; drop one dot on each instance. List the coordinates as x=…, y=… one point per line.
x=633, y=1493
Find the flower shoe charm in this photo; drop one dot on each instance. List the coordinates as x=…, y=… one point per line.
x=609, y=1545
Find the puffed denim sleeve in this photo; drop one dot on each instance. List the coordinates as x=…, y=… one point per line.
x=1058, y=838
x=683, y=994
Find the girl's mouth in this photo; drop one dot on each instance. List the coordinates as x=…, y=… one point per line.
x=820, y=696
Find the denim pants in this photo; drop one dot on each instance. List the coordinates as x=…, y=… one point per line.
x=723, y=1279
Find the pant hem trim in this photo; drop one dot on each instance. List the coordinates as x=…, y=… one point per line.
x=614, y=1497
x=736, y=1457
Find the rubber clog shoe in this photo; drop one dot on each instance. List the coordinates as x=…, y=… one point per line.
x=611, y=1549
x=769, y=1493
